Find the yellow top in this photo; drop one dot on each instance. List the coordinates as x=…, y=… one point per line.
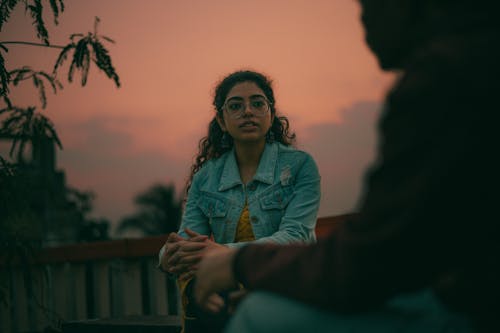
x=244, y=232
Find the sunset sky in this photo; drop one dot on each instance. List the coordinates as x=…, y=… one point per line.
x=169, y=55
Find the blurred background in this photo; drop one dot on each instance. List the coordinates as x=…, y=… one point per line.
x=93, y=171
x=128, y=150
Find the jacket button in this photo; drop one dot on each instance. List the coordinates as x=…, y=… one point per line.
x=254, y=219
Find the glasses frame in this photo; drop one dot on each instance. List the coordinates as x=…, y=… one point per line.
x=240, y=114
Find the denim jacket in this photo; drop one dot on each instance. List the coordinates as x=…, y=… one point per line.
x=283, y=197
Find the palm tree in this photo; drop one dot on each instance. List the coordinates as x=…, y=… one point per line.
x=159, y=212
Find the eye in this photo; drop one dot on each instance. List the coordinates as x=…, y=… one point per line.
x=234, y=106
x=258, y=104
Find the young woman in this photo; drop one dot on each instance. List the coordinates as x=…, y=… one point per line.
x=248, y=184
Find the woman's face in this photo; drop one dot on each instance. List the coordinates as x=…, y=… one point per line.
x=246, y=114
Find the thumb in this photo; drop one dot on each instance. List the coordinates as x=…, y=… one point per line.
x=174, y=237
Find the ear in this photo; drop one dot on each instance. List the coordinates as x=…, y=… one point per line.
x=220, y=120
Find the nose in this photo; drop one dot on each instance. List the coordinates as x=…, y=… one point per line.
x=247, y=111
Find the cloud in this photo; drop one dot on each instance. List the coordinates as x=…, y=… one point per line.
x=101, y=160
x=343, y=151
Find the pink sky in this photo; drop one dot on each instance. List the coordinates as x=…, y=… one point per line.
x=169, y=56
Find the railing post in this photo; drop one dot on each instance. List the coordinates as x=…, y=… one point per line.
x=102, y=293
x=116, y=288
x=146, y=287
x=89, y=290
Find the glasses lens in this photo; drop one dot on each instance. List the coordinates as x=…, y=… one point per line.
x=236, y=108
x=259, y=107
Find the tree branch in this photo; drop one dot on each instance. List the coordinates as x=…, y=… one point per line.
x=32, y=44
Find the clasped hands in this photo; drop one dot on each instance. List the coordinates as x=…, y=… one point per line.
x=209, y=261
x=182, y=255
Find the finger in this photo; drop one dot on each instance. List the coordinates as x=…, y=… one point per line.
x=174, y=237
x=200, y=238
x=214, y=303
x=166, y=253
x=191, y=233
x=216, y=299
x=171, y=249
x=211, y=308
x=236, y=296
x=192, y=246
x=190, y=259
x=173, y=259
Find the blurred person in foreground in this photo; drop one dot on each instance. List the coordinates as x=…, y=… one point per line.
x=423, y=253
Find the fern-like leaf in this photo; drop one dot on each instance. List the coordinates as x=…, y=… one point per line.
x=103, y=61
x=54, y=82
x=87, y=49
x=36, y=12
x=62, y=57
x=7, y=101
x=82, y=58
x=4, y=77
x=41, y=90
x=25, y=124
x=57, y=7
x=20, y=74
x=6, y=7
x=26, y=72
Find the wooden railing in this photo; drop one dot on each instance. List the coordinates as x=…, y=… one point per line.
x=113, y=279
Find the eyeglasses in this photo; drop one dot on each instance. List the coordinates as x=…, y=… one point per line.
x=236, y=108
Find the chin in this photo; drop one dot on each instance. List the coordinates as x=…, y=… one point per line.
x=251, y=139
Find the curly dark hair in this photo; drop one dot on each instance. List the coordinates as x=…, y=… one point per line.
x=212, y=145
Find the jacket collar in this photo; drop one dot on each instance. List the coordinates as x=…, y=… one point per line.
x=265, y=172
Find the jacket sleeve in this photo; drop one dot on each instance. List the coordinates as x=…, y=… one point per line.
x=193, y=218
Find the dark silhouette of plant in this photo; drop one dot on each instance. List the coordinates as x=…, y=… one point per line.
x=91, y=229
x=159, y=212
x=20, y=220
x=86, y=48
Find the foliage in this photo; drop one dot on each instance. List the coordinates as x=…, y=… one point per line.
x=86, y=48
x=90, y=229
x=20, y=227
x=21, y=224
x=159, y=212
x=23, y=125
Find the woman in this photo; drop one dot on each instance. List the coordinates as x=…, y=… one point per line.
x=247, y=184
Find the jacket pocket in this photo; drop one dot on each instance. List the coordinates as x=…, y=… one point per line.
x=212, y=207
x=277, y=198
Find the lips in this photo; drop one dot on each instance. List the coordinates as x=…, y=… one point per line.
x=248, y=124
